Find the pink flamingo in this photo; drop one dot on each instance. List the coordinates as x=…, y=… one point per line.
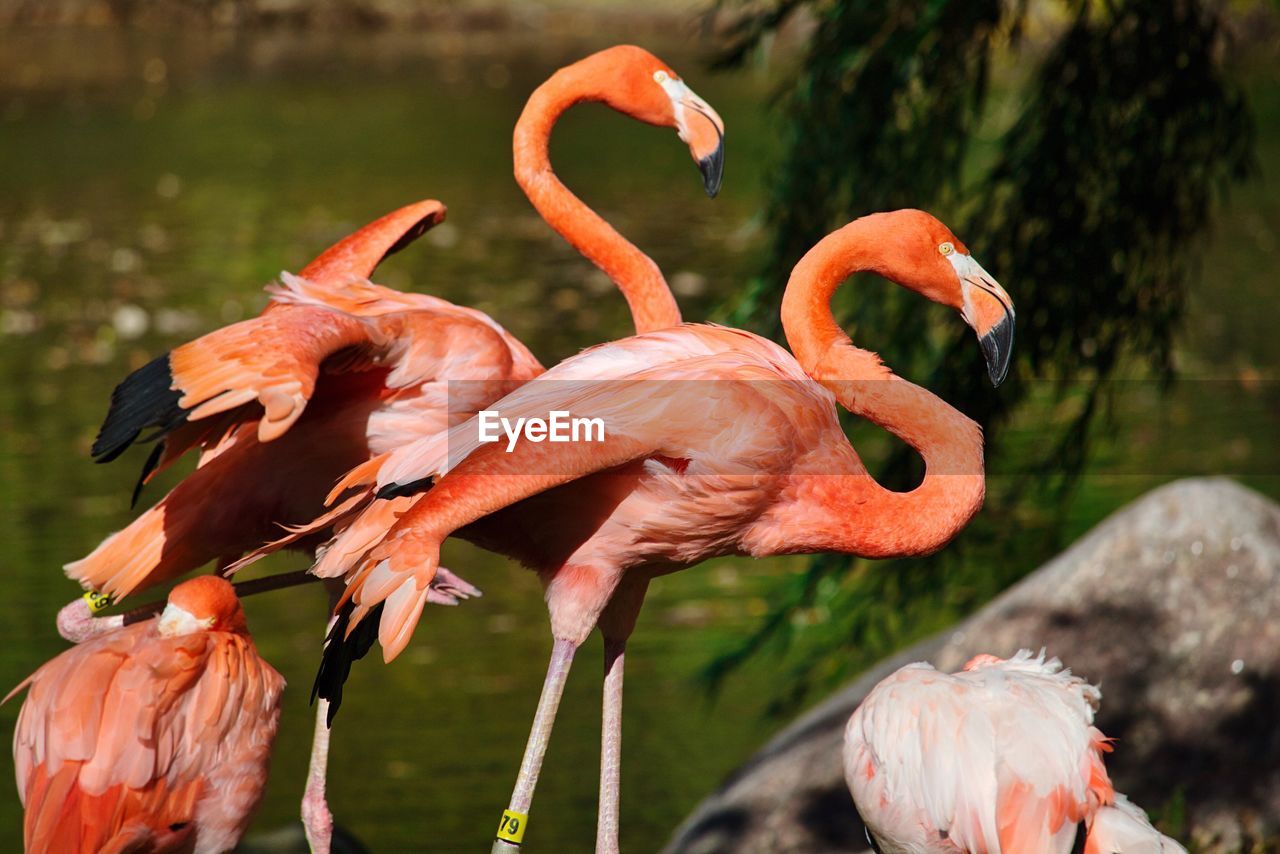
x=717, y=442
x=337, y=369
x=334, y=369
x=152, y=737
x=1002, y=756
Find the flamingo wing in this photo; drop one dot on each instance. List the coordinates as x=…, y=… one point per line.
x=919, y=764
x=639, y=387
x=684, y=403
x=1050, y=767
x=1003, y=757
x=379, y=491
x=375, y=367
x=272, y=359
x=433, y=368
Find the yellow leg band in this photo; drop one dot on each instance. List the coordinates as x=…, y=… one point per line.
x=511, y=828
x=98, y=602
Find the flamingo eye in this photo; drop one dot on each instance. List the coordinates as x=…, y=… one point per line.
x=946, y=248
x=661, y=77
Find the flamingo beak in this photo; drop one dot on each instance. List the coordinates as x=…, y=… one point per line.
x=708, y=153
x=989, y=310
x=997, y=348
x=702, y=129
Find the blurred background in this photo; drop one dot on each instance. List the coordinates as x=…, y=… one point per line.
x=1113, y=164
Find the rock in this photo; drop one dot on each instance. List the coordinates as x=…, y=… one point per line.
x=1171, y=605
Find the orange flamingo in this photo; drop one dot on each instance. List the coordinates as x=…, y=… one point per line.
x=1003, y=756
x=716, y=442
x=279, y=406
x=337, y=369
x=152, y=737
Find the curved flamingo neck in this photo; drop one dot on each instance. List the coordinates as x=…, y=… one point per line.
x=636, y=275
x=885, y=523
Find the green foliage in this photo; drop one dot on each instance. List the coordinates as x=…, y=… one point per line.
x=1172, y=817
x=1089, y=207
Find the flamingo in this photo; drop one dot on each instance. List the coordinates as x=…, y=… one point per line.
x=152, y=737
x=282, y=404
x=1002, y=756
x=337, y=369
x=718, y=442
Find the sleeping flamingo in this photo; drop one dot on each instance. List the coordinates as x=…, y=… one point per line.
x=153, y=737
x=717, y=442
x=337, y=369
x=1002, y=756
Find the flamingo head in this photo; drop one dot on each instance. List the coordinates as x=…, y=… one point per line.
x=638, y=84
x=922, y=253
x=204, y=604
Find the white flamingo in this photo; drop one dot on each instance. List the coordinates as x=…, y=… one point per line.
x=1001, y=758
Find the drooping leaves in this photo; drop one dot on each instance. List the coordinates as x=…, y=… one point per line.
x=1089, y=205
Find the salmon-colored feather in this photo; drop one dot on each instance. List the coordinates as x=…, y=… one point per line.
x=137, y=740
x=274, y=359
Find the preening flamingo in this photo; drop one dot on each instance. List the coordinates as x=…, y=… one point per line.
x=152, y=737
x=1001, y=757
x=718, y=442
x=338, y=369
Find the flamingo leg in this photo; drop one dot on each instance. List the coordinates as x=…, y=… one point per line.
x=617, y=622
x=317, y=819
x=536, y=748
x=611, y=748
x=76, y=622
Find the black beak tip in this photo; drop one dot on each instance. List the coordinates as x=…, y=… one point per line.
x=712, y=167
x=997, y=347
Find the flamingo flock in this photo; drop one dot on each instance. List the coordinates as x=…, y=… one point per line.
x=345, y=423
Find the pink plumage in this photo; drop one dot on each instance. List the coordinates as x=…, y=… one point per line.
x=336, y=369
x=1001, y=757
x=151, y=737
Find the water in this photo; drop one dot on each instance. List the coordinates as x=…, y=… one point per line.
x=150, y=186
x=150, y=194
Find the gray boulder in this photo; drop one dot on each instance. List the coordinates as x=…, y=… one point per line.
x=1172, y=605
